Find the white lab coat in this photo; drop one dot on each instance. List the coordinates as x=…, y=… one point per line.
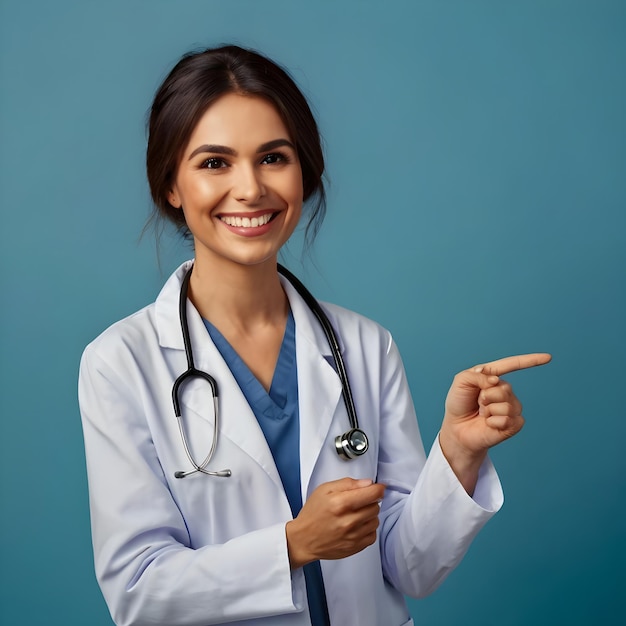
x=206, y=550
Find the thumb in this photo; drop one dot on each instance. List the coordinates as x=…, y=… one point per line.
x=475, y=377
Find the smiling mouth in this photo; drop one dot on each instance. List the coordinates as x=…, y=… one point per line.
x=247, y=222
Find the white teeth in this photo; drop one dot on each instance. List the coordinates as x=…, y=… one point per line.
x=246, y=222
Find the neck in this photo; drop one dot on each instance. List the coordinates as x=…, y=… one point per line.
x=242, y=296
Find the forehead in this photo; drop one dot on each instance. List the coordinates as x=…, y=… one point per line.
x=240, y=122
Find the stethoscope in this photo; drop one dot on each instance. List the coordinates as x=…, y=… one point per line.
x=352, y=444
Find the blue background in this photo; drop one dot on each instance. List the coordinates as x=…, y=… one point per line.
x=477, y=159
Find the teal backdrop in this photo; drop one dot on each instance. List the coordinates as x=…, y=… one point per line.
x=477, y=208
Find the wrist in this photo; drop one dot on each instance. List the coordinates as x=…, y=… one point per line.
x=297, y=555
x=464, y=463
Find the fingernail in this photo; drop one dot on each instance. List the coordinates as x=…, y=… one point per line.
x=364, y=482
x=478, y=370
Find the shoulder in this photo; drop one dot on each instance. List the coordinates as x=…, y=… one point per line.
x=130, y=335
x=343, y=315
x=140, y=335
x=354, y=328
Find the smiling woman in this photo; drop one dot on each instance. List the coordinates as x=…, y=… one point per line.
x=194, y=84
x=290, y=533
x=239, y=184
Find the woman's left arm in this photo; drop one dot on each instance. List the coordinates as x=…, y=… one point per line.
x=428, y=519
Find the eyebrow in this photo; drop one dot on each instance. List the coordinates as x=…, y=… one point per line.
x=217, y=149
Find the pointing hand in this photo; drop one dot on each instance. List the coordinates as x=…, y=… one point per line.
x=482, y=411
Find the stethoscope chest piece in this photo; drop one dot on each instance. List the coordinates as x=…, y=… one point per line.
x=352, y=444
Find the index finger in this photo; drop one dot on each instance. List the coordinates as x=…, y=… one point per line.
x=514, y=363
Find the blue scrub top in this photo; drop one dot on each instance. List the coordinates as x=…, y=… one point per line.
x=278, y=415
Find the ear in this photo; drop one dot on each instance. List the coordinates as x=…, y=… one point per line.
x=172, y=198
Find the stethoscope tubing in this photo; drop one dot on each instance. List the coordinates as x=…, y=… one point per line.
x=193, y=372
x=344, y=443
x=331, y=337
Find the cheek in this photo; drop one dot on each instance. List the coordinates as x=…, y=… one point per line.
x=203, y=194
x=296, y=187
x=296, y=202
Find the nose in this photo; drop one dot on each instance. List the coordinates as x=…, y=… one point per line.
x=248, y=186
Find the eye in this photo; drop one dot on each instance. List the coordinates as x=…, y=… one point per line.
x=213, y=163
x=275, y=157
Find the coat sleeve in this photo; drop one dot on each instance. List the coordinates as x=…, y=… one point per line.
x=427, y=518
x=147, y=568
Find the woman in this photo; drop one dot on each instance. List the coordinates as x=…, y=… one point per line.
x=271, y=526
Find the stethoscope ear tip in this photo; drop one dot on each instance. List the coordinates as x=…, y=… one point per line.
x=225, y=473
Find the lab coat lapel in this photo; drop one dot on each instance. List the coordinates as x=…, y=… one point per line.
x=236, y=419
x=319, y=387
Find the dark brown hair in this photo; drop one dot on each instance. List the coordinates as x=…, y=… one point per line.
x=197, y=81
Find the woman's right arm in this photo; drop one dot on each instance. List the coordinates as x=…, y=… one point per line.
x=147, y=568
